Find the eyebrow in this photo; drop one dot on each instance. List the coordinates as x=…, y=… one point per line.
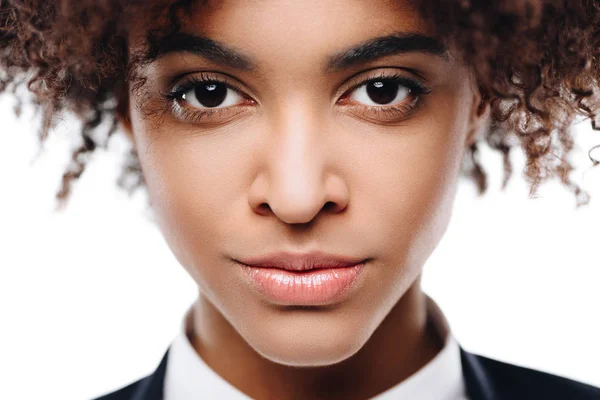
x=370, y=50
x=181, y=42
x=397, y=43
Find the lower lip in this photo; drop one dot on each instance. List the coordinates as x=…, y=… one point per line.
x=304, y=288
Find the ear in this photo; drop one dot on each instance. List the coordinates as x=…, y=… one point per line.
x=479, y=119
x=122, y=110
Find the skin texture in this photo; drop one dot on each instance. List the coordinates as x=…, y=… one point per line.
x=296, y=169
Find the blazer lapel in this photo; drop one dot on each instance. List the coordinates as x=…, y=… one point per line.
x=151, y=387
x=478, y=383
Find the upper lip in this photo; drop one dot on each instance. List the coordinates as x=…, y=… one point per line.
x=302, y=261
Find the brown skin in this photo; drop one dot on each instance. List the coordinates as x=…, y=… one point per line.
x=257, y=178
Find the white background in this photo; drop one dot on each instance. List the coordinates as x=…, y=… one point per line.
x=90, y=298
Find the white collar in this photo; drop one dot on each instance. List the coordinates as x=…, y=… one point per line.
x=188, y=377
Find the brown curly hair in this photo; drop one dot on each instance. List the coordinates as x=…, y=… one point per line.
x=537, y=64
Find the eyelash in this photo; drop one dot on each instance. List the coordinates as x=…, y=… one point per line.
x=417, y=90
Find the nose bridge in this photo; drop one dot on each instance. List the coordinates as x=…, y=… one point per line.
x=297, y=175
x=298, y=163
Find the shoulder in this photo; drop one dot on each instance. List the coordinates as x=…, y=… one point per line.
x=147, y=388
x=125, y=393
x=514, y=382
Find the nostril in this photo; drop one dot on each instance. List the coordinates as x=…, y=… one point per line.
x=333, y=206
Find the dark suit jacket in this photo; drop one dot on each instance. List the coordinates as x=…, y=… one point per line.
x=485, y=379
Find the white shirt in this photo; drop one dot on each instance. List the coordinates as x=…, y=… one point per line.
x=188, y=377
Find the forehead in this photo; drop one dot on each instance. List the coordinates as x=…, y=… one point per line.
x=308, y=14
x=306, y=25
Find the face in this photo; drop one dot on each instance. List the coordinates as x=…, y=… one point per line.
x=285, y=140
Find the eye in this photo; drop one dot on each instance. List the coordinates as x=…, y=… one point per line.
x=211, y=94
x=385, y=99
x=380, y=92
x=207, y=98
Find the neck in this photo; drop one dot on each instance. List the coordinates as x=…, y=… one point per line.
x=403, y=343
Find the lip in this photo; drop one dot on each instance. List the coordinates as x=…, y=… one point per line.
x=310, y=279
x=302, y=261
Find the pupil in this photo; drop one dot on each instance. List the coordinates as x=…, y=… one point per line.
x=383, y=91
x=211, y=94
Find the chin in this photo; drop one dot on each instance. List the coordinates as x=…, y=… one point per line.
x=309, y=340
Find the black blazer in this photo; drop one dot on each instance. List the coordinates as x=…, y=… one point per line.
x=485, y=379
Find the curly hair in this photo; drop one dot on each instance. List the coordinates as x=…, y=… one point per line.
x=536, y=62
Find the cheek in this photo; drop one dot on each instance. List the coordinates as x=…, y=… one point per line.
x=194, y=187
x=410, y=186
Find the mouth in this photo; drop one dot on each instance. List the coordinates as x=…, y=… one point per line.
x=303, y=279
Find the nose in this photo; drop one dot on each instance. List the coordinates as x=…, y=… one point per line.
x=300, y=177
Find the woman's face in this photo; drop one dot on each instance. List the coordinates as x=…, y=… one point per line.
x=312, y=134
